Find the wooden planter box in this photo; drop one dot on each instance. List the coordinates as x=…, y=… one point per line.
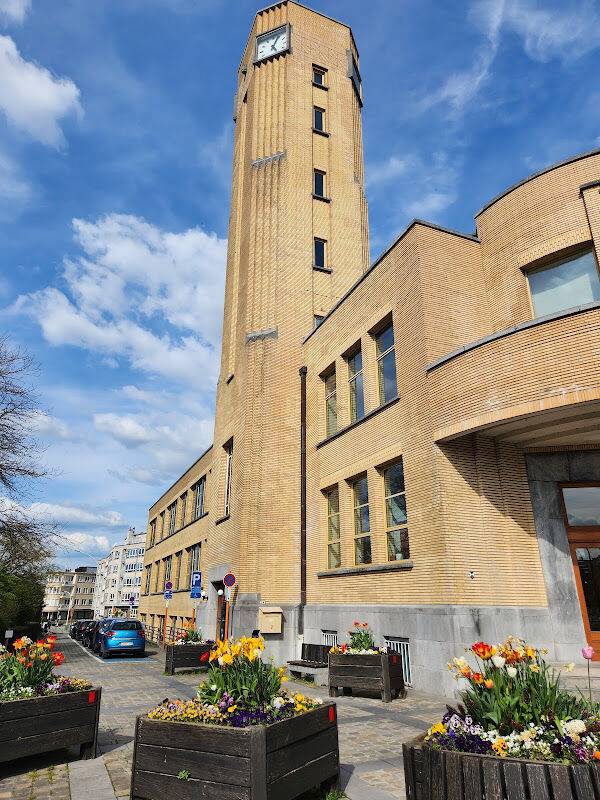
x=375, y=673
x=43, y=724
x=185, y=656
x=432, y=774
x=263, y=762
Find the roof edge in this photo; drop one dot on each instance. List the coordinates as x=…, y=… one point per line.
x=537, y=174
x=469, y=236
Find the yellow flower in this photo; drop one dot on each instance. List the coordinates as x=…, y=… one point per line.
x=530, y=652
x=534, y=668
x=570, y=667
x=439, y=727
x=231, y=709
x=500, y=746
x=228, y=658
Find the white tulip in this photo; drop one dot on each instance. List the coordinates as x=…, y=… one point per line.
x=498, y=661
x=512, y=672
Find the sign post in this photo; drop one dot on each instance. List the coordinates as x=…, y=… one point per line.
x=195, y=593
x=168, y=596
x=229, y=581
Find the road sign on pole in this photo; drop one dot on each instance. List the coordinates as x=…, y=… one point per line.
x=132, y=600
x=168, y=586
x=196, y=585
x=229, y=579
x=168, y=594
x=227, y=594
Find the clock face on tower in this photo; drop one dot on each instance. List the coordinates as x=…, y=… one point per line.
x=271, y=43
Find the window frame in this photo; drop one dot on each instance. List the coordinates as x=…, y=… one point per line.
x=183, y=500
x=353, y=379
x=355, y=507
x=553, y=262
x=322, y=112
x=380, y=359
x=199, y=492
x=228, y=447
x=172, y=509
x=331, y=542
x=322, y=71
x=329, y=395
x=322, y=174
x=402, y=529
x=177, y=581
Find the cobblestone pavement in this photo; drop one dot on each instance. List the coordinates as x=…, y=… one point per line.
x=370, y=733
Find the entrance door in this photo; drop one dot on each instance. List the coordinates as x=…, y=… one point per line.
x=581, y=506
x=221, y=609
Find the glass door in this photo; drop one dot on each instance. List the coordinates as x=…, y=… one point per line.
x=581, y=507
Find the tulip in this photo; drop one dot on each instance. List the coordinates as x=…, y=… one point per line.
x=587, y=652
x=570, y=667
x=478, y=677
x=489, y=684
x=466, y=672
x=498, y=661
x=512, y=672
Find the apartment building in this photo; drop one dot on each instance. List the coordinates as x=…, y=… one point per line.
x=69, y=595
x=413, y=443
x=119, y=577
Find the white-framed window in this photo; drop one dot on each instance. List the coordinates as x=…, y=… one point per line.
x=172, y=517
x=330, y=638
x=401, y=645
x=199, y=497
x=228, y=476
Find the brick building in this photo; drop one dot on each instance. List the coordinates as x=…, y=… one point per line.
x=413, y=443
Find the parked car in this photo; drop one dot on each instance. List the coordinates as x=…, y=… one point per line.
x=123, y=636
x=80, y=627
x=90, y=632
x=97, y=635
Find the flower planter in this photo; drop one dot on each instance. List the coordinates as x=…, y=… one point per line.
x=380, y=672
x=261, y=762
x=186, y=656
x=42, y=724
x=449, y=775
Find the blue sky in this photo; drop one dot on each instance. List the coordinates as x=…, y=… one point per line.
x=115, y=164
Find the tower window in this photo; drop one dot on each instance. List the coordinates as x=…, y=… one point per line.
x=318, y=320
x=386, y=364
x=228, y=475
x=319, y=183
x=319, y=76
x=319, y=119
x=320, y=253
x=333, y=529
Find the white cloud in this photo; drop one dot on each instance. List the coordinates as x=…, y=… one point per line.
x=148, y=296
x=86, y=544
x=385, y=172
x=68, y=514
x=126, y=429
x=14, y=10
x=431, y=203
x=32, y=98
x=567, y=31
x=50, y=427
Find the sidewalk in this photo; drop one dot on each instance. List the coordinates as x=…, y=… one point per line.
x=370, y=733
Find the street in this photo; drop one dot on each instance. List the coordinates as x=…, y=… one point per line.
x=370, y=732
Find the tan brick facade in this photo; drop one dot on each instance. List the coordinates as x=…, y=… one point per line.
x=482, y=386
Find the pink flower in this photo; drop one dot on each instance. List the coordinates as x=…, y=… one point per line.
x=587, y=652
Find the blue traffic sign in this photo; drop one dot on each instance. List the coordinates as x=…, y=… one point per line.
x=196, y=593
x=168, y=586
x=229, y=579
x=132, y=600
x=196, y=582
x=168, y=594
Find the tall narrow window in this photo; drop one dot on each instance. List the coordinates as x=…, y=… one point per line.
x=320, y=253
x=178, y=560
x=319, y=119
x=330, y=404
x=152, y=532
x=194, y=561
x=162, y=524
x=157, y=577
x=333, y=529
x=167, y=568
x=386, y=364
x=183, y=508
x=362, y=525
x=228, y=475
x=318, y=183
x=172, y=517
x=318, y=320
x=395, y=512
x=355, y=381
x=199, y=498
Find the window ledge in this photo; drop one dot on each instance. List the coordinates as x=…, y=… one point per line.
x=392, y=566
x=358, y=421
x=321, y=133
x=323, y=269
x=222, y=519
x=320, y=86
x=321, y=197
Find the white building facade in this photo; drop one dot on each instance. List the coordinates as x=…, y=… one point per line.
x=119, y=578
x=69, y=595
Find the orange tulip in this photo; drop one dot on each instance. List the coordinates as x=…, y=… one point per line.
x=478, y=677
x=357, y=624
x=29, y=663
x=22, y=660
x=483, y=650
x=597, y=755
x=489, y=684
x=44, y=656
x=466, y=672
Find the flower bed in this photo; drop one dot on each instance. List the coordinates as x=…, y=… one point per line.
x=512, y=708
x=362, y=666
x=45, y=711
x=242, y=737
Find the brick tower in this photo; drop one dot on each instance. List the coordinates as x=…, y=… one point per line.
x=298, y=239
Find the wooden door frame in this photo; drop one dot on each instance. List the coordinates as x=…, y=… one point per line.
x=581, y=536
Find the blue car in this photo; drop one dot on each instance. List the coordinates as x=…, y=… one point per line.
x=96, y=639
x=122, y=636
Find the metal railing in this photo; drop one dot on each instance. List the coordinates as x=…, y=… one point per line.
x=154, y=633
x=330, y=638
x=402, y=646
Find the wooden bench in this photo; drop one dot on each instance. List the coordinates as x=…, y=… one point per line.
x=313, y=662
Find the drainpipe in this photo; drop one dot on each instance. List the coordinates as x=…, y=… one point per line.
x=303, y=371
